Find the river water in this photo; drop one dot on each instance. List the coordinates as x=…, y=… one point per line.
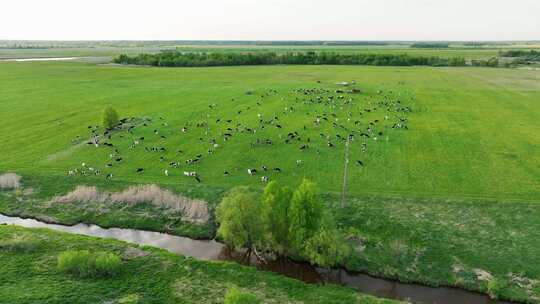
x=215, y=251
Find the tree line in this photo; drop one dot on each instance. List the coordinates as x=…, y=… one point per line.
x=192, y=59
x=426, y=45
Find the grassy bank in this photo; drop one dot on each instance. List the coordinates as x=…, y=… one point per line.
x=467, y=243
x=147, y=275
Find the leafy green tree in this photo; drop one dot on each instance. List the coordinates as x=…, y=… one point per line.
x=276, y=202
x=235, y=296
x=239, y=216
x=110, y=118
x=305, y=215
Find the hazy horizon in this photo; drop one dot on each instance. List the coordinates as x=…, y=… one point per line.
x=272, y=20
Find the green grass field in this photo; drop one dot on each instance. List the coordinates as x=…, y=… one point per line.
x=30, y=275
x=455, y=193
x=472, y=132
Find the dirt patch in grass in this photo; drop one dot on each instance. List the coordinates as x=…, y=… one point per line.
x=10, y=181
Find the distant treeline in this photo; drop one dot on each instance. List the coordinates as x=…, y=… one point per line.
x=519, y=53
x=491, y=62
x=425, y=45
x=190, y=59
x=522, y=57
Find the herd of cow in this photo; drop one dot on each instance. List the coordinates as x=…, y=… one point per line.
x=309, y=119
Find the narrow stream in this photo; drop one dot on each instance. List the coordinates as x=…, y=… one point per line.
x=212, y=250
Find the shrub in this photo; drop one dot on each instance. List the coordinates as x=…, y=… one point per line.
x=495, y=287
x=107, y=264
x=82, y=263
x=110, y=118
x=235, y=296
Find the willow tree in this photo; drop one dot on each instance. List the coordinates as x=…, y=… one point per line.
x=276, y=201
x=239, y=216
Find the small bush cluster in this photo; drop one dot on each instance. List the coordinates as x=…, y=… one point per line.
x=110, y=118
x=236, y=296
x=83, y=263
x=282, y=222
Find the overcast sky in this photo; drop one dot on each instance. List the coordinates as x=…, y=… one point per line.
x=270, y=19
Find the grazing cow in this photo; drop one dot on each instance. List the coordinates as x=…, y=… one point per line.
x=360, y=163
x=109, y=176
x=264, y=168
x=166, y=172
x=298, y=162
x=264, y=179
x=140, y=170
x=190, y=174
x=252, y=171
x=109, y=165
x=197, y=179
x=226, y=173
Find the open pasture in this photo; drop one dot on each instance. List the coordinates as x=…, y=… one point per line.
x=471, y=132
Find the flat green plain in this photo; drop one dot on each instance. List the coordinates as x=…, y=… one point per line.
x=473, y=133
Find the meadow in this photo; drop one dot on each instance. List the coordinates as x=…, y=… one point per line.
x=471, y=132
x=454, y=194
x=147, y=275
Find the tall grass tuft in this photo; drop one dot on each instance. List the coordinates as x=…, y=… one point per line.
x=83, y=263
x=236, y=296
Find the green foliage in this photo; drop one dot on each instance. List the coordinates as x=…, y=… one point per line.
x=457, y=61
x=492, y=62
x=305, y=215
x=495, y=287
x=327, y=248
x=107, y=264
x=199, y=59
x=83, y=263
x=236, y=296
x=427, y=45
x=110, y=118
x=276, y=202
x=239, y=216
